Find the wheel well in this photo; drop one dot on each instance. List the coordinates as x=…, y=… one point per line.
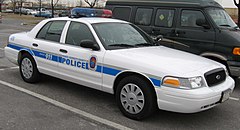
x=126, y=74
x=20, y=55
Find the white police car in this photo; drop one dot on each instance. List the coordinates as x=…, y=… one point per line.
x=117, y=57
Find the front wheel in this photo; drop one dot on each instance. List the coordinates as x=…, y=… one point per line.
x=28, y=69
x=135, y=97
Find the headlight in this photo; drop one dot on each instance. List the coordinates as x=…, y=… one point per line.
x=184, y=83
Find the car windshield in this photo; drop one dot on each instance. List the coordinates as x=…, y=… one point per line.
x=221, y=18
x=121, y=36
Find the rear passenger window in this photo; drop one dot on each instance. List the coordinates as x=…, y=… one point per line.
x=52, y=31
x=164, y=18
x=122, y=13
x=78, y=32
x=143, y=16
x=189, y=18
x=43, y=32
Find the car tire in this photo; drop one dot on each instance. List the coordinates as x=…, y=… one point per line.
x=135, y=97
x=28, y=69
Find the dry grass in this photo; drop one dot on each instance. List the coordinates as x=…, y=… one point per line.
x=22, y=17
x=27, y=19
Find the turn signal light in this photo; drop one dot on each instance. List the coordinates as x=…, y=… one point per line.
x=171, y=82
x=236, y=51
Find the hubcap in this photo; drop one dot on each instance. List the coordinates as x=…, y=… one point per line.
x=27, y=68
x=132, y=98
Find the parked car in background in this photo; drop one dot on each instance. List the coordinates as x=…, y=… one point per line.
x=33, y=12
x=8, y=11
x=202, y=25
x=45, y=14
x=64, y=13
x=17, y=11
x=26, y=11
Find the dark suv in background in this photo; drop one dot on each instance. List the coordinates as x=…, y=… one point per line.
x=202, y=25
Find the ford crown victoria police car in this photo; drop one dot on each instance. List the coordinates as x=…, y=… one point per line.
x=117, y=57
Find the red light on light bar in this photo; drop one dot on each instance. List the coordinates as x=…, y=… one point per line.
x=107, y=13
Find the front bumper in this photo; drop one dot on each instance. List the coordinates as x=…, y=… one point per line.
x=191, y=101
x=234, y=71
x=234, y=68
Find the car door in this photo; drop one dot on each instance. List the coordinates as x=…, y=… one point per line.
x=143, y=18
x=164, y=24
x=78, y=64
x=197, y=38
x=46, y=46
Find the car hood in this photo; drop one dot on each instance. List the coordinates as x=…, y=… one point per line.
x=155, y=60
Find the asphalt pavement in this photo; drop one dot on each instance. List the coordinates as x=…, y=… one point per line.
x=20, y=111
x=10, y=26
x=70, y=106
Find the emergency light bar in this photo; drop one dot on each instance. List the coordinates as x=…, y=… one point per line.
x=90, y=12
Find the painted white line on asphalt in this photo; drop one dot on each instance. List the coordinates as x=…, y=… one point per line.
x=15, y=67
x=67, y=107
x=235, y=99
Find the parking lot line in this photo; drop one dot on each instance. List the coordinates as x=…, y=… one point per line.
x=15, y=67
x=235, y=99
x=67, y=107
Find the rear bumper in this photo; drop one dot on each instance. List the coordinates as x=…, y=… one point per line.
x=11, y=55
x=191, y=101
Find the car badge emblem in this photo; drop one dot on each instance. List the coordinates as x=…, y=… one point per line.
x=93, y=63
x=218, y=77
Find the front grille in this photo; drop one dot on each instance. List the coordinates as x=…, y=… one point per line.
x=215, y=77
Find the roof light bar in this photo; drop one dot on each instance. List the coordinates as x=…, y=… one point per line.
x=90, y=12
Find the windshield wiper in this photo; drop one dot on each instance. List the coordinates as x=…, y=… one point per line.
x=225, y=25
x=144, y=44
x=121, y=45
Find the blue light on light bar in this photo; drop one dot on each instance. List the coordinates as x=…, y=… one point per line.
x=90, y=12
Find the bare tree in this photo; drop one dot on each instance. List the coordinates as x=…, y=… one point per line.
x=80, y=3
x=1, y=3
x=14, y=2
x=53, y=5
x=238, y=5
x=40, y=6
x=21, y=5
x=91, y=4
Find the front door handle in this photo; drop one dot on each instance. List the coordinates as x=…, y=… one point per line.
x=35, y=44
x=63, y=51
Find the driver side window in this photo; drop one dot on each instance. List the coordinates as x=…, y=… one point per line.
x=189, y=18
x=78, y=32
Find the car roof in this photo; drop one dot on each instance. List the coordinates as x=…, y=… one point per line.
x=167, y=3
x=90, y=20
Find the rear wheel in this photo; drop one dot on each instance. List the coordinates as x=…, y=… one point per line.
x=135, y=98
x=28, y=69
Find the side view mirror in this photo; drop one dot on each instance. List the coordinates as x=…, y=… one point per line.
x=202, y=23
x=158, y=38
x=89, y=44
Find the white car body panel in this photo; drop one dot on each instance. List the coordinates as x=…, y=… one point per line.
x=153, y=63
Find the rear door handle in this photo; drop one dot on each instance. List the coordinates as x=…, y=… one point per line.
x=35, y=45
x=63, y=51
x=180, y=32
